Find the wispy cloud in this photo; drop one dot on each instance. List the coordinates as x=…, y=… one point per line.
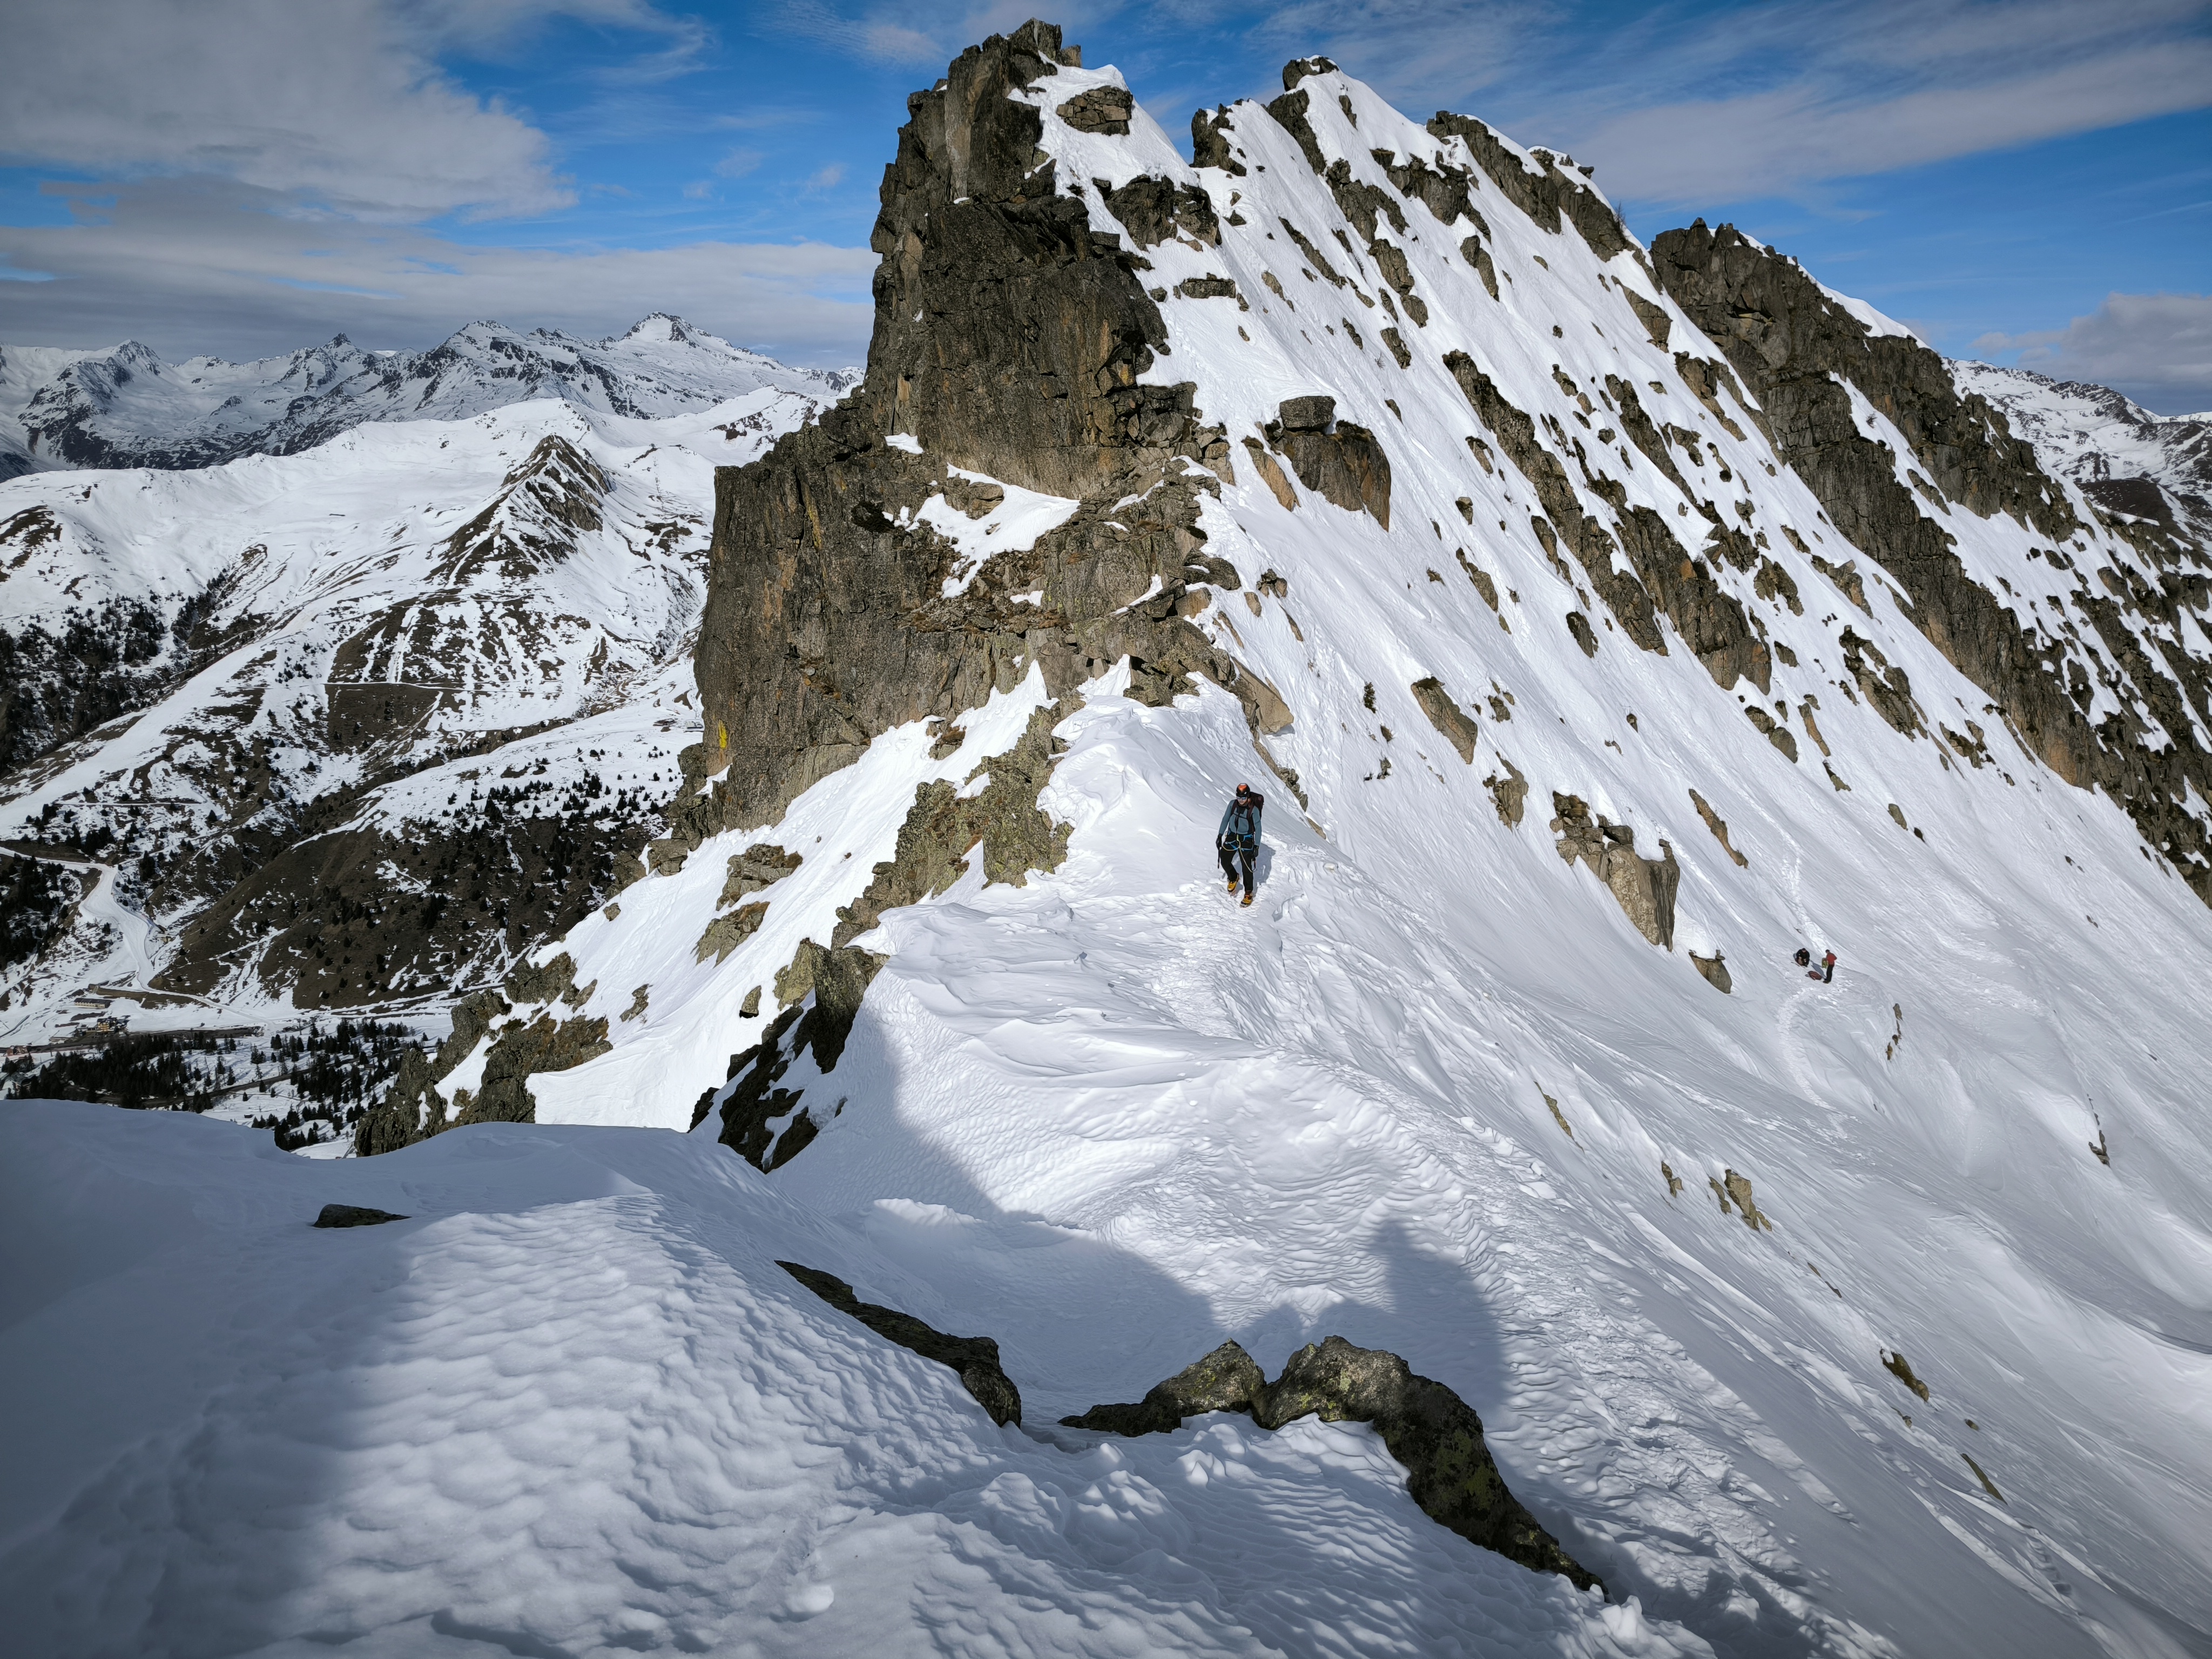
x=342, y=100
x=827, y=177
x=1686, y=104
x=2156, y=347
x=906, y=34
x=1816, y=129
x=212, y=265
x=737, y=163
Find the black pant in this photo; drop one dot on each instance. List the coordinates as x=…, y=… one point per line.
x=1232, y=856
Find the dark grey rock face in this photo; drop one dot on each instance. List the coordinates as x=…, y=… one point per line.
x=974, y=1359
x=413, y=1110
x=1786, y=339
x=1009, y=340
x=820, y=990
x=1430, y=1430
x=354, y=1215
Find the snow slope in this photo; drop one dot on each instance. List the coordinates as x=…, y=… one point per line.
x=646, y=1436
x=128, y=407
x=1330, y=1115
x=1432, y=1092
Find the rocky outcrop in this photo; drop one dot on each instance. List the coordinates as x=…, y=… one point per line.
x=1644, y=887
x=1797, y=350
x=1711, y=619
x=414, y=1109
x=1718, y=825
x=1430, y=1430
x=1447, y=716
x=1508, y=794
x=1101, y=109
x=1548, y=196
x=764, y=1122
x=1226, y=1380
x=1732, y=1187
x=1342, y=462
x=974, y=1359
x=353, y=1215
x=1009, y=340
x=943, y=826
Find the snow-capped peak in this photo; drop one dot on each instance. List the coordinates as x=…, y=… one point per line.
x=126, y=407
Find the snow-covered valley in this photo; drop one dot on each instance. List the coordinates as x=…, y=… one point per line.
x=1862, y=1316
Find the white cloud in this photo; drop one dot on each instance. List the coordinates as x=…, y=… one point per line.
x=737, y=163
x=886, y=34
x=827, y=177
x=1684, y=109
x=202, y=265
x=340, y=100
x=2157, y=348
x=1777, y=142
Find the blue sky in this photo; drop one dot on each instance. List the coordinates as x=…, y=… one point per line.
x=2028, y=182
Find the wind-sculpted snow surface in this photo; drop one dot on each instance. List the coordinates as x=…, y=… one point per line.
x=1436, y=1092
x=1856, y=1317
x=573, y=1405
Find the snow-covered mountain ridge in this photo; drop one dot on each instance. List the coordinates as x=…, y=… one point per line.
x=2157, y=467
x=1167, y=474
x=127, y=408
x=396, y=714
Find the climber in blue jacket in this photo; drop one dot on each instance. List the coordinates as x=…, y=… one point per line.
x=1237, y=841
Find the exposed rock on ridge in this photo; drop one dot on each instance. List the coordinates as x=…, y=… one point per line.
x=1430, y=1430
x=974, y=1359
x=1791, y=344
x=1008, y=341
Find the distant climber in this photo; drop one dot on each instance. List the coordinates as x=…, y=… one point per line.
x=1237, y=841
x=1826, y=971
x=1803, y=959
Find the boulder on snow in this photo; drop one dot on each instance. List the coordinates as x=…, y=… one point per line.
x=974, y=1359
x=1343, y=462
x=1447, y=716
x=354, y=1215
x=1714, y=968
x=1226, y=1380
x=1645, y=888
x=1430, y=1430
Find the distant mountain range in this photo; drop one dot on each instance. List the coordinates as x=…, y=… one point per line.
x=126, y=407
x=2125, y=459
